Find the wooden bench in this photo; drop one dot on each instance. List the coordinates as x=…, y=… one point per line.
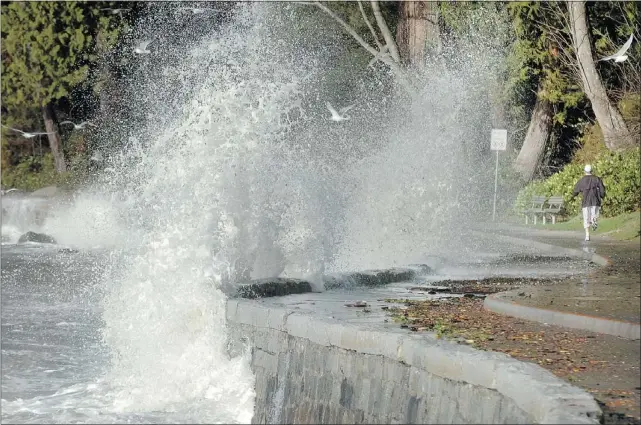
x=536, y=207
x=554, y=205
x=545, y=207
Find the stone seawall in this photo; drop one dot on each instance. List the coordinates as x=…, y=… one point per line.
x=278, y=286
x=314, y=369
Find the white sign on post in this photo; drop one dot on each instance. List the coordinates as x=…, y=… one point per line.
x=498, y=141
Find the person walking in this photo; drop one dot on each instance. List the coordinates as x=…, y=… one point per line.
x=593, y=191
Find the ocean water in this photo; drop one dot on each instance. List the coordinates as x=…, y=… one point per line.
x=227, y=169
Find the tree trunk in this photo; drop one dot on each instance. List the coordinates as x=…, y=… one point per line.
x=391, y=59
x=54, y=139
x=615, y=131
x=538, y=132
x=417, y=33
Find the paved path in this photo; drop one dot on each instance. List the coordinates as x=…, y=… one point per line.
x=612, y=292
x=606, y=294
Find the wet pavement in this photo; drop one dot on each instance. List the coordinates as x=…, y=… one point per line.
x=611, y=292
x=612, y=371
x=474, y=273
x=605, y=365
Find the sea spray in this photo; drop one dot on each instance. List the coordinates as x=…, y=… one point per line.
x=232, y=170
x=222, y=199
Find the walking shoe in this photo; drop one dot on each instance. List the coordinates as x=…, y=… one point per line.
x=587, y=238
x=594, y=225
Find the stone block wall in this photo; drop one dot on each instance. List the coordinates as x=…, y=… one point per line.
x=312, y=369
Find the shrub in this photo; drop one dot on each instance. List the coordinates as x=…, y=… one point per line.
x=35, y=172
x=31, y=173
x=592, y=145
x=524, y=197
x=620, y=174
x=591, y=142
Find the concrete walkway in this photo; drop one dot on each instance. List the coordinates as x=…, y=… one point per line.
x=605, y=301
x=611, y=374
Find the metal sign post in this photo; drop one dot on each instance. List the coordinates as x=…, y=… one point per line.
x=498, y=142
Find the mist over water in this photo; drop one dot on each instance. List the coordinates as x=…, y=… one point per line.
x=232, y=170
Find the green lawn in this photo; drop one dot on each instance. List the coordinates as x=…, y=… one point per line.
x=621, y=227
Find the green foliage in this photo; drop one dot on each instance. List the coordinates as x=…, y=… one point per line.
x=49, y=47
x=539, y=56
x=591, y=142
x=592, y=145
x=49, y=50
x=621, y=177
x=31, y=173
x=45, y=50
x=630, y=107
x=35, y=172
x=485, y=23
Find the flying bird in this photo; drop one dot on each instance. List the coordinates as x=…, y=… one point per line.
x=26, y=134
x=338, y=116
x=115, y=11
x=80, y=126
x=197, y=10
x=97, y=156
x=620, y=56
x=141, y=48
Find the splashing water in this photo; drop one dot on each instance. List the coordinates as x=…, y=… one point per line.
x=222, y=198
x=415, y=194
x=240, y=175
x=203, y=199
x=21, y=214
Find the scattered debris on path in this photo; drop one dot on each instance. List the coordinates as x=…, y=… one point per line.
x=357, y=304
x=606, y=366
x=484, y=286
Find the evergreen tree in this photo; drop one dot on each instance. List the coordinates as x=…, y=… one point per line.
x=48, y=49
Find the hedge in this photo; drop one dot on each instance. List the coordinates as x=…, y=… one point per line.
x=620, y=174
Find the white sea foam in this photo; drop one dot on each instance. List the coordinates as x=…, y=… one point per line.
x=235, y=173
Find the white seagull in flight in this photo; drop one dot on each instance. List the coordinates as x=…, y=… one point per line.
x=80, y=126
x=620, y=56
x=141, y=48
x=338, y=116
x=115, y=11
x=26, y=134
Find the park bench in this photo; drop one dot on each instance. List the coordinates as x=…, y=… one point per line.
x=554, y=205
x=536, y=208
x=539, y=206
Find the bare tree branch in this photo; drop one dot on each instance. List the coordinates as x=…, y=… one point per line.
x=384, y=57
x=345, y=26
x=385, y=31
x=384, y=50
x=369, y=25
